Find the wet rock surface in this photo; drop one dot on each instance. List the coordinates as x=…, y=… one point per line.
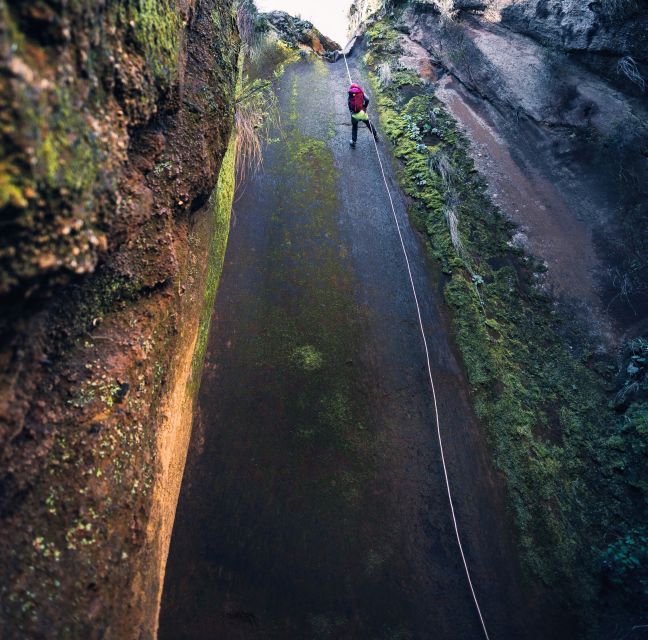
x=313, y=503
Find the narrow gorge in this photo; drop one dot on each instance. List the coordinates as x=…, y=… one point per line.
x=216, y=416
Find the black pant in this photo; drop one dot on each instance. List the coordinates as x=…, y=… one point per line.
x=354, y=128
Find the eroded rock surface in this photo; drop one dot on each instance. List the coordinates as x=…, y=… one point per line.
x=107, y=229
x=578, y=138
x=610, y=37
x=602, y=32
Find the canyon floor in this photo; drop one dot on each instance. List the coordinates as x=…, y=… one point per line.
x=313, y=503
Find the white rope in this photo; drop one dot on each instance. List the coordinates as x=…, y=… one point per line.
x=347, y=66
x=429, y=369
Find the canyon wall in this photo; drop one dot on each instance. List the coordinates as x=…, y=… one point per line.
x=601, y=33
x=523, y=148
x=116, y=123
x=559, y=89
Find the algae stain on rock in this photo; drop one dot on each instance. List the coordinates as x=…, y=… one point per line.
x=222, y=201
x=202, y=277
x=308, y=358
x=311, y=327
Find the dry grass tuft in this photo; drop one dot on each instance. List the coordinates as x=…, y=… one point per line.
x=440, y=164
x=384, y=72
x=451, y=213
x=257, y=113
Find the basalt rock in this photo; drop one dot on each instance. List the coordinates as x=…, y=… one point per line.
x=602, y=34
x=590, y=132
x=363, y=10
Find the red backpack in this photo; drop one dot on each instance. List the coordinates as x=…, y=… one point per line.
x=356, y=98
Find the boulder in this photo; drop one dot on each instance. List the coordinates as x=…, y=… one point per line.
x=297, y=32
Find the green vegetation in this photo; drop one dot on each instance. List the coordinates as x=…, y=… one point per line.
x=67, y=156
x=627, y=561
x=156, y=28
x=53, y=151
x=574, y=465
x=49, y=153
x=12, y=181
x=308, y=358
x=222, y=200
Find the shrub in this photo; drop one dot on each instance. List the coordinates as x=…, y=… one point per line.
x=625, y=562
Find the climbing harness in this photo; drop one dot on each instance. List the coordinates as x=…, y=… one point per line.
x=429, y=370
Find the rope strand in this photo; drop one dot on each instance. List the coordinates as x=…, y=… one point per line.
x=429, y=369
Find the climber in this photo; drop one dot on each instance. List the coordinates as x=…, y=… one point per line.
x=358, y=103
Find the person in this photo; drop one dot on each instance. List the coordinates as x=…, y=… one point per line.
x=358, y=103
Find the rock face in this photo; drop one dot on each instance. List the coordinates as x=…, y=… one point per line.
x=522, y=74
x=108, y=229
x=361, y=10
x=610, y=37
x=601, y=33
x=558, y=88
x=295, y=32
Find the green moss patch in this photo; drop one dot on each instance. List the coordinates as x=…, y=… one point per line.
x=222, y=200
x=156, y=28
